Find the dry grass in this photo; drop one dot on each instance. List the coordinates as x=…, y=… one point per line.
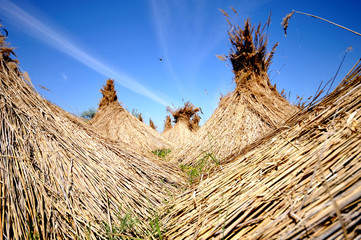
x=109, y=94
x=254, y=108
x=185, y=113
x=184, y=125
x=300, y=181
x=248, y=54
x=284, y=173
x=140, y=118
x=59, y=179
x=286, y=19
x=117, y=124
x=167, y=123
x=152, y=125
x=194, y=124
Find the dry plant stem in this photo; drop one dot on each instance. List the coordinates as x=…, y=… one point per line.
x=58, y=175
x=338, y=25
x=294, y=197
x=334, y=203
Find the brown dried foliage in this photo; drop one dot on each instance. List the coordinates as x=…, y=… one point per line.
x=194, y=123
x=248, y=54
x=7, y=52
x=140, y=117
x=285, y=22
x=167, y=123
x=109, y=94
x=151, y=124
x=185, y=113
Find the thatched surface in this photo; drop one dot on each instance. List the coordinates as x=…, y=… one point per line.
x=184, y=127
x=301, y=181
x=195, y=123
x=167, y=123
x=241, y=118
x=180, y=133
x=114, y=122
x=59, y=179
x=254, y=108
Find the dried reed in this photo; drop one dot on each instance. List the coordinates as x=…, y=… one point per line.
x=287, y=18
x=114, y=122
x=183, y=128
x=254, y=108
x=59, y=179
x=152, y=125
x=300, y=181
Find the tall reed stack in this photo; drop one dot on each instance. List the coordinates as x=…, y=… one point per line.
x=61, y=180
x=254, y=107
x=114, y=122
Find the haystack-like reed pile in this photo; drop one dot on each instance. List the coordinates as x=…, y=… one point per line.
x=301, y=181
x=114, y=122
x=152, y=125
x=252, y=109
x=58, y=178
x=167, y=123
x=184, y=125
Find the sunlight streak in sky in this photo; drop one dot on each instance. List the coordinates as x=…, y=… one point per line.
x=161, y=28
x=61, y=43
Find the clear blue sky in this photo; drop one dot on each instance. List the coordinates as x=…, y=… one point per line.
x=72, y=47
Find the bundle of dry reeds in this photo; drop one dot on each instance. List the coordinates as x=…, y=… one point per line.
x=184, y=125
x=114, y=122
x=167, y=123
x=254, y=108
x=300, y=181
x=152, y=125
x=59, y=179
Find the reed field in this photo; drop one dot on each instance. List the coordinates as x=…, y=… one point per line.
x=260, y=167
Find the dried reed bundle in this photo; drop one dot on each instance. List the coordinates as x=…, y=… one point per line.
x=183, y=118
x=109, y=94
x=195, y=123
x=254, y=108
x=140, y=118
x=185, y=113
x=248, y=54
x=300, y=181
x=152, y=125
x=114, y=122
x=59, y=179
x=167, y=123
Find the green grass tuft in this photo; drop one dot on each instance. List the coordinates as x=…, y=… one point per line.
x=161, y=152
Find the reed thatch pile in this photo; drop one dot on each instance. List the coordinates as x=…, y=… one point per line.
x=61, y=180
x=114, y=122
x=183, y=119
x=167, y=123
x=301, y=181
x=252, y=109
x=152, y=125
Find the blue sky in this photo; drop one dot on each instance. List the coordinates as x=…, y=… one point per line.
x=72, y=47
